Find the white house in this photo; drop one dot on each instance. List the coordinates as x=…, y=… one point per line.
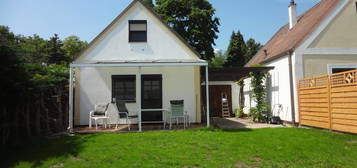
x=320, y=41
x=141, y=60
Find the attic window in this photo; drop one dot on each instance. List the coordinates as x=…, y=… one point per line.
x=137, y=31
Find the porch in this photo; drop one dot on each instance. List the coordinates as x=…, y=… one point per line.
x=175, y=80
x=134, y=128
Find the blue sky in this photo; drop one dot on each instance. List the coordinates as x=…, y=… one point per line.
x=258, y=19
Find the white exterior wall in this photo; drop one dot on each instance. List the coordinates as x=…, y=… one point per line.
x=235, y=91
x=95, y=87
x=247, y=91
x=161, y=43
x=278, y=87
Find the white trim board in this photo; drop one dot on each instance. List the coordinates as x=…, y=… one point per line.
x=331, y=66
x=331, y=51
x=140, y=64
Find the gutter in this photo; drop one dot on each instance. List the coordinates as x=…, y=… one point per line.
x=291, y=80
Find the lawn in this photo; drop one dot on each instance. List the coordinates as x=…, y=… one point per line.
x=269, y=147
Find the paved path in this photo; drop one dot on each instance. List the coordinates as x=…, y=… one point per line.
x=240, y=123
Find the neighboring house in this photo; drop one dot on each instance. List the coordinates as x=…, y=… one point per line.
x=322, y=40
x=140, y=59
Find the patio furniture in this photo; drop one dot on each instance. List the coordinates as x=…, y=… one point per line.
x=176, y=112
x=100, y=112
x=123, y=113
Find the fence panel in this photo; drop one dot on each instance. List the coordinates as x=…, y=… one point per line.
x=344, y=101
x=314, y=102
x=329, y=101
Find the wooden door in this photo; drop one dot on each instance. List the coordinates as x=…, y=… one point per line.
x=215, y=99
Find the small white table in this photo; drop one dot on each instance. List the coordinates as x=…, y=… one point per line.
x=164, y=117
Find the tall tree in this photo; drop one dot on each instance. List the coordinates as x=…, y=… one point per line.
x=149, y=3
x=33, y=49
x=72, y=46
x=236, y=51
x=194, y=20
x=55, y=51
x=252, y=48
x=9, y=65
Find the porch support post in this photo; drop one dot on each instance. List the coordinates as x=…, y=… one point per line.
x=70, y=110
x=138, y=96
x=207, y=98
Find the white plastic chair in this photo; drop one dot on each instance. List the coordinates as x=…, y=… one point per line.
x=100, y=112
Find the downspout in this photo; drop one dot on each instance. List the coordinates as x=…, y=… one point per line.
x=70, y=101
x=291, y=80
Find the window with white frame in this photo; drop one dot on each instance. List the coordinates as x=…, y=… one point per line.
x=337, y=68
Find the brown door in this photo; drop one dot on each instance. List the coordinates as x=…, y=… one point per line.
x=215, y=99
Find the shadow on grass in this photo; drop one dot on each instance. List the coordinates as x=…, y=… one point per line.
x=36, y=151
x=215, y=128
x=237, y=129
x=225, y=123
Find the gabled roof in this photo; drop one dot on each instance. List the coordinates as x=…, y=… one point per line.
x=150, y=9
x=285, y=40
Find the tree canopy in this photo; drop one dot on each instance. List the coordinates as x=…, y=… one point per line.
x=240, y=52
x=34, y=79
x=252, y=48
x=218, y=60
x=72, y=46
x=148, y=3
x=236, y=50
x=194, y=20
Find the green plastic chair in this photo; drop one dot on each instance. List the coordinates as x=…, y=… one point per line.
x=177, y=112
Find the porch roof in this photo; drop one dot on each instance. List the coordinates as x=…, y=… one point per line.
x=140, y=63
x=233, y=74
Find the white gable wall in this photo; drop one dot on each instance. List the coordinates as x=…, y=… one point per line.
x=93, y=84
x=161, y=43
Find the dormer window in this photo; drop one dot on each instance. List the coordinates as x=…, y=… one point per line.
x=137, y=31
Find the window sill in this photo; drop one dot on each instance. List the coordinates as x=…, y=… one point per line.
x=137, y=41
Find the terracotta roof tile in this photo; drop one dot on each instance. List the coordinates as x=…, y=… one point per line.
x=286, y=40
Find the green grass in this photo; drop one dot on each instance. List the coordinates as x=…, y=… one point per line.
x=270, y=147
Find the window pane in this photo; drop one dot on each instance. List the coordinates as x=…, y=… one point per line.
x=119, y=84
x=129, y=84
x=137, y=27
x=137, y=36
x=156, y=83
x=338, y=70
x=124, y=87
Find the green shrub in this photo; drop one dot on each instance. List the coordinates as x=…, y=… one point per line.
x=238, y=113
x=253, y=112
x=261, y=113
